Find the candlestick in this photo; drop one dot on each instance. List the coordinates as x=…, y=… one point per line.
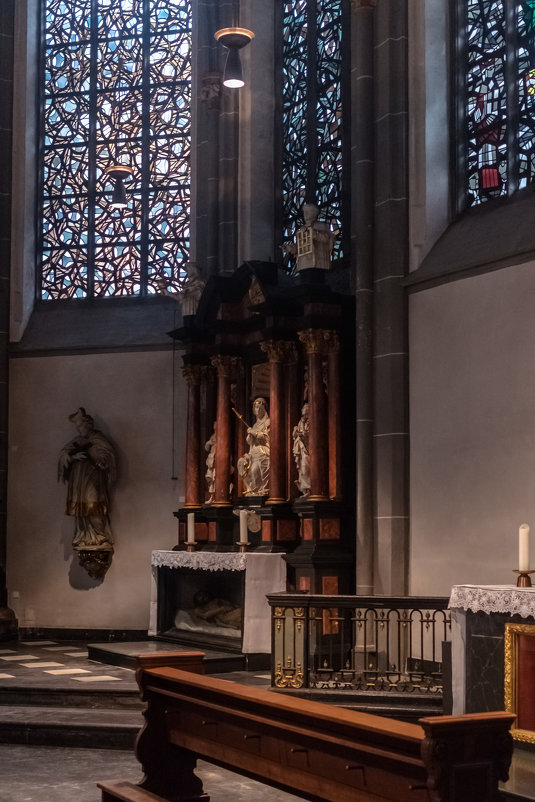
x=524, y=579
x=244, y=529
x=523, y=548
x=191, y=528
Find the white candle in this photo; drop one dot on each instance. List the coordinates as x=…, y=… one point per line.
x=243, y=526
x=523, y=548
x=191, y=528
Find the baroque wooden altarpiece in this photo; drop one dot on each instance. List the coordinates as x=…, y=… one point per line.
x=262, y=333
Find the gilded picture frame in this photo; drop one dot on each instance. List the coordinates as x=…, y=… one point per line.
x=511, y=653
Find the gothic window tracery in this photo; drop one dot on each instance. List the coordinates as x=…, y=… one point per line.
x=115, y=88
x=312, y=56
x=499, y=105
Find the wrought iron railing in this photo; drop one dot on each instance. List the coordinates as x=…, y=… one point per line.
x=362, y=643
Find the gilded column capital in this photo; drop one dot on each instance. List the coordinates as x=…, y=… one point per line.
x=224, y=365
x=192, y=374
x=278, y=350
x=316, y=341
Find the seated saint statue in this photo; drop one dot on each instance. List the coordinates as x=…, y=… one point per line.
x=301, y=453
x=253, y=467
x=314, y=242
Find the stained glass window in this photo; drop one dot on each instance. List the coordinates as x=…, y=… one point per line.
x=312, y=111
x=500, y=97
x=116, y=87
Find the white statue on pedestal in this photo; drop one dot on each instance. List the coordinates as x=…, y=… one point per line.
x=301, y=453
x=253, y=467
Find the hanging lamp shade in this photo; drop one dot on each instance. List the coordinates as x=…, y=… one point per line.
x=118, y=172
x=233, y=39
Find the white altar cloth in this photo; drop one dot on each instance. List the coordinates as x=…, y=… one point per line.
x=493, y=599
x=480, y=598
x=264, y=573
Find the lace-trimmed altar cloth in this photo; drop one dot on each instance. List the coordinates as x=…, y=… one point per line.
x=494, y=599
x=200, y=560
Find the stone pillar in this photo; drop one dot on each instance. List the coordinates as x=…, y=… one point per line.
x=206, y=103
x=390, y=331
x=314, y=341
x=333, y=416
x=361, y=255
x=223, y=366
x=277, y=351
x=192, y=374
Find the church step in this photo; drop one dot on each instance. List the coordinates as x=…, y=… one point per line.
x=66, y=698
x=125, y=654
x=403, y=707
x=53, y=726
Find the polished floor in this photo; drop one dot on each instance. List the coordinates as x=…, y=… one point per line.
x=33, y=773
x=54, y=774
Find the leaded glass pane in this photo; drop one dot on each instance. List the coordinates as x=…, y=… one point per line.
x=312, y=111
x=486, y=101
x=500, y=97
x=526, y=92
x=115, y=87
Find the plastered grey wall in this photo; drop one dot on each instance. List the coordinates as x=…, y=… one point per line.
x=472, y=400
x=130, y=396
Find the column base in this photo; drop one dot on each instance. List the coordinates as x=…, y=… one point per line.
x=9, y=626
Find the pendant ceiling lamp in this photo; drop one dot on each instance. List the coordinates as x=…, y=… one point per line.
x=233, y=39
x=118, y=173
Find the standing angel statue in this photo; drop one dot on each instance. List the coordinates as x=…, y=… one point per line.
x=253, y=467
x=87, y=465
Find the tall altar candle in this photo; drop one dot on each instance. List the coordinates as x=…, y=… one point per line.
x=191, y=528
x=523, y=548
x=243, y=527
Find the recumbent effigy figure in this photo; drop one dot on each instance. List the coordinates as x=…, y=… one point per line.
x=253, y=467
x=87, y=464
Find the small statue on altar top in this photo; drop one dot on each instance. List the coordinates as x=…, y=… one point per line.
x=253, y=467
x=314, y=242
x=301, y=453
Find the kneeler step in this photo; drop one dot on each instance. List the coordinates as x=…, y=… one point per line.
x=122, y=791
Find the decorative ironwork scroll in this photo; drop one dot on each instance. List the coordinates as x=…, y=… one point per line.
x=312, y=111
x=116, y=87
x=499, y=38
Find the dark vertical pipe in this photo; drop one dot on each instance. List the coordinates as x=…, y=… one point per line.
x=7, y=619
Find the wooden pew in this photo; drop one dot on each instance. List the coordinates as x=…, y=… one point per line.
x=318, y=752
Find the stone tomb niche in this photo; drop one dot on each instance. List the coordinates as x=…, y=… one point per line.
x=202, y=607
x=215, y=600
